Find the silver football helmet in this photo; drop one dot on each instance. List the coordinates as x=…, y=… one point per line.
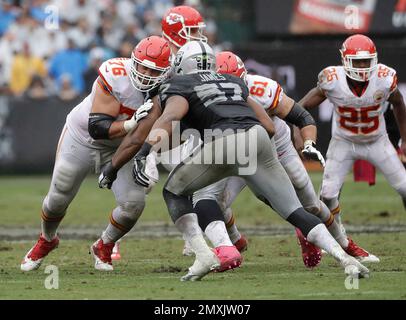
x=194, y=56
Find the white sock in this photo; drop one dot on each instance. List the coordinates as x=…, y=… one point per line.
x=216, y=232
x=188, y=225
x=320, y=237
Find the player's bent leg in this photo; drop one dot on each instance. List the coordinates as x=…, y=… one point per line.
x=130, y=198
x=340, y=158
x=233, y=187
x=211, y=221
x=300, y=179
x=271, y=184
x=317, y=233
x=69, y=171
x=176, y=193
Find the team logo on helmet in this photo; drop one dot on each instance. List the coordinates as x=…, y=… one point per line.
x=173, y=18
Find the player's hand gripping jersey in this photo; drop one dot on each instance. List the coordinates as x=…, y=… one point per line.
x=114, y=80
x=358, y=119
x=268, y=93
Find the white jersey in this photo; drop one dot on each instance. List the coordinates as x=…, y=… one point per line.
x=268, y=93
x=358, y=119
x=114, y=80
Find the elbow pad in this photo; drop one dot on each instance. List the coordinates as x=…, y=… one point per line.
x=99, y=125
x=299, y=116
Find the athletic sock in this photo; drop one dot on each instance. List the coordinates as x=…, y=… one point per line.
x=216, y=232
x=320, y=237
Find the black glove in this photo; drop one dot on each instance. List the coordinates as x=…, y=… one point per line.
x=107, y=177
x=140, y=161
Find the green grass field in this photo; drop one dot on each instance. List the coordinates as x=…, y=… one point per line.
x=151, y=267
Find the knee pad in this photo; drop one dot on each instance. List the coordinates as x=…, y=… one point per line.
x=127, y=213
x=64, y=176
x=55, y=205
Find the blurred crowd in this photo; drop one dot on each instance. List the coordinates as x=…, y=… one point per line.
x=54, y=47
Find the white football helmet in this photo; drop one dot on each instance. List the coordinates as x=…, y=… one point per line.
x=194, y=56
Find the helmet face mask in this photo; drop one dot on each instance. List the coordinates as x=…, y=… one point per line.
x=150, y=63
x=194, y=57
x=355, y=53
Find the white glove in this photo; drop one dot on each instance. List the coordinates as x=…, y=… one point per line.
x=141, y=113
x=310, y=152
x=151, y=171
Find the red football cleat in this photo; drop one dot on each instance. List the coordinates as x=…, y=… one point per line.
x=241, y=244
x=360, y=254
x=102, y=255
x=310, y=253
x=229, y=257
x=38, y=252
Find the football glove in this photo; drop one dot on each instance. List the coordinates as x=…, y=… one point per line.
x=107, y=177
x=310, y=152
x=140, y=165
x=141, y=113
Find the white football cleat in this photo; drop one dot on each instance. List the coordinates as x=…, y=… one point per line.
x=187, y=250
x=203, y=265
x=34, y=257
x=354, y=268
x=102, y=255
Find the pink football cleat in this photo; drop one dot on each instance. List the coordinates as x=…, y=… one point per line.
x=116, y=255
x=310, y=253
x=229, y=257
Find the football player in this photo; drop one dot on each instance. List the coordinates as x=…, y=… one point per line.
x=204, y=100
x=179, y=25
x=358, y=89
x=92, y=132
x=269, y=94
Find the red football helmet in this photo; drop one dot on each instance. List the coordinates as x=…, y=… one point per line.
x=359, y=47
x=153, y=53
x=179, y=23
x=229, y=63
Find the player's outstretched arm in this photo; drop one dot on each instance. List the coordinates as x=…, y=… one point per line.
x=262, y=116
x=399, y=111
x=313, y=98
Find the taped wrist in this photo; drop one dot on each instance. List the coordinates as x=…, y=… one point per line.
x=99, y=125
x=299, y=116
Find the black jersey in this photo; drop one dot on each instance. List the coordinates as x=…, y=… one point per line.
x=216, y=101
